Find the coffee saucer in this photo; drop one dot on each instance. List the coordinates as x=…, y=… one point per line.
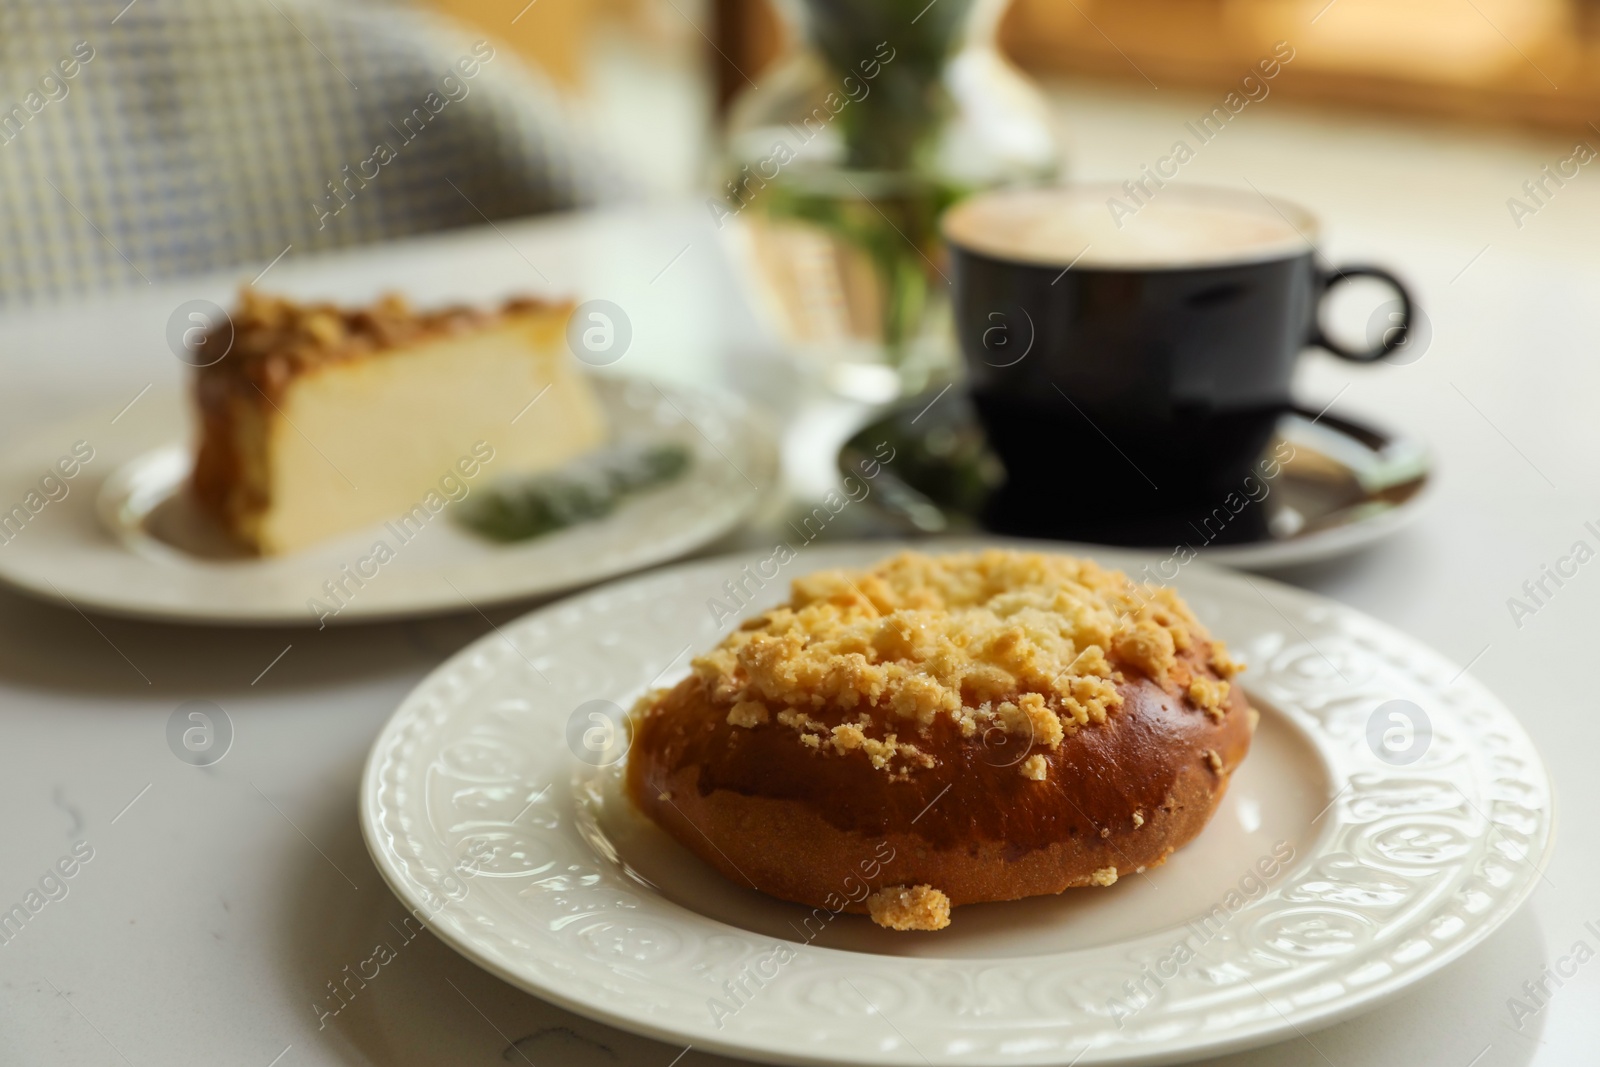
x=1326, y=486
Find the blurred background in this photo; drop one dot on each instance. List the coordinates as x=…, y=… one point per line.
x=189, y=109
x=142, y=142
x=1526, y=63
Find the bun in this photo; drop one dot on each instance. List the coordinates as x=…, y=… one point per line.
x=942, y=731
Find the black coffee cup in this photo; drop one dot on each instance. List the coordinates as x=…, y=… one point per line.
x=1126, y=385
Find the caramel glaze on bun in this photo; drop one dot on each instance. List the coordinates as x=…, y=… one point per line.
x=938, y=731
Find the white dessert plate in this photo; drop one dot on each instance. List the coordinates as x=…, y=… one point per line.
x=122, y=536
x=1391, y=814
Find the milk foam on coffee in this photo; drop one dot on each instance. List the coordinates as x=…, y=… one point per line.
x=1179, y=226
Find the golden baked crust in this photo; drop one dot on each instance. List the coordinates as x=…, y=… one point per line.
x=276, y=339
x=1006, y=723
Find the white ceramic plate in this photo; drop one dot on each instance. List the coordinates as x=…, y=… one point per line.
x=123, y=540
x=1333, y=876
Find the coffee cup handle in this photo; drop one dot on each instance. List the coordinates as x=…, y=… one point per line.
x=1391, y=338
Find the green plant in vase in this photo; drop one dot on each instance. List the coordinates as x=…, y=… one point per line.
x=843, y=163
x=893, y=226
x=891, y=128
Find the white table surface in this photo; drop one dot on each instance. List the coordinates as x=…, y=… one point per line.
x=220, y=903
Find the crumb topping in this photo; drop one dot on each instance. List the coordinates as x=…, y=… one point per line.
x=275, y=339
x=1104, y=876
x=1210, y=694
x=918, y=907
x=1034, y=768
x=1138, y=819
x=748, y=713
x=1033, y=644
x=1222, y=663
x=1213, y=761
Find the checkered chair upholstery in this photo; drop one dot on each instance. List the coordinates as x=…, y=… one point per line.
x=162, y=138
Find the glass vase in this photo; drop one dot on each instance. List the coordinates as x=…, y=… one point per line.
x=881, y=115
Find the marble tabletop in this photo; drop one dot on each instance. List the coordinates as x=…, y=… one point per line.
x=209, y=908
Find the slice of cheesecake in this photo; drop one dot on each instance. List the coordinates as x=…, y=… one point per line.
x=321, y=420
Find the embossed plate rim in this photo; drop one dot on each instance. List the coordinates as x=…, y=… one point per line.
x=404, y=844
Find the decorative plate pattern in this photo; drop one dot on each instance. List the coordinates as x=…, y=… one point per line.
x=1436, y=821
x=97, y=546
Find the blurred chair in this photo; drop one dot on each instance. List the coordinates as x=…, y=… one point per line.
x=169, y=137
